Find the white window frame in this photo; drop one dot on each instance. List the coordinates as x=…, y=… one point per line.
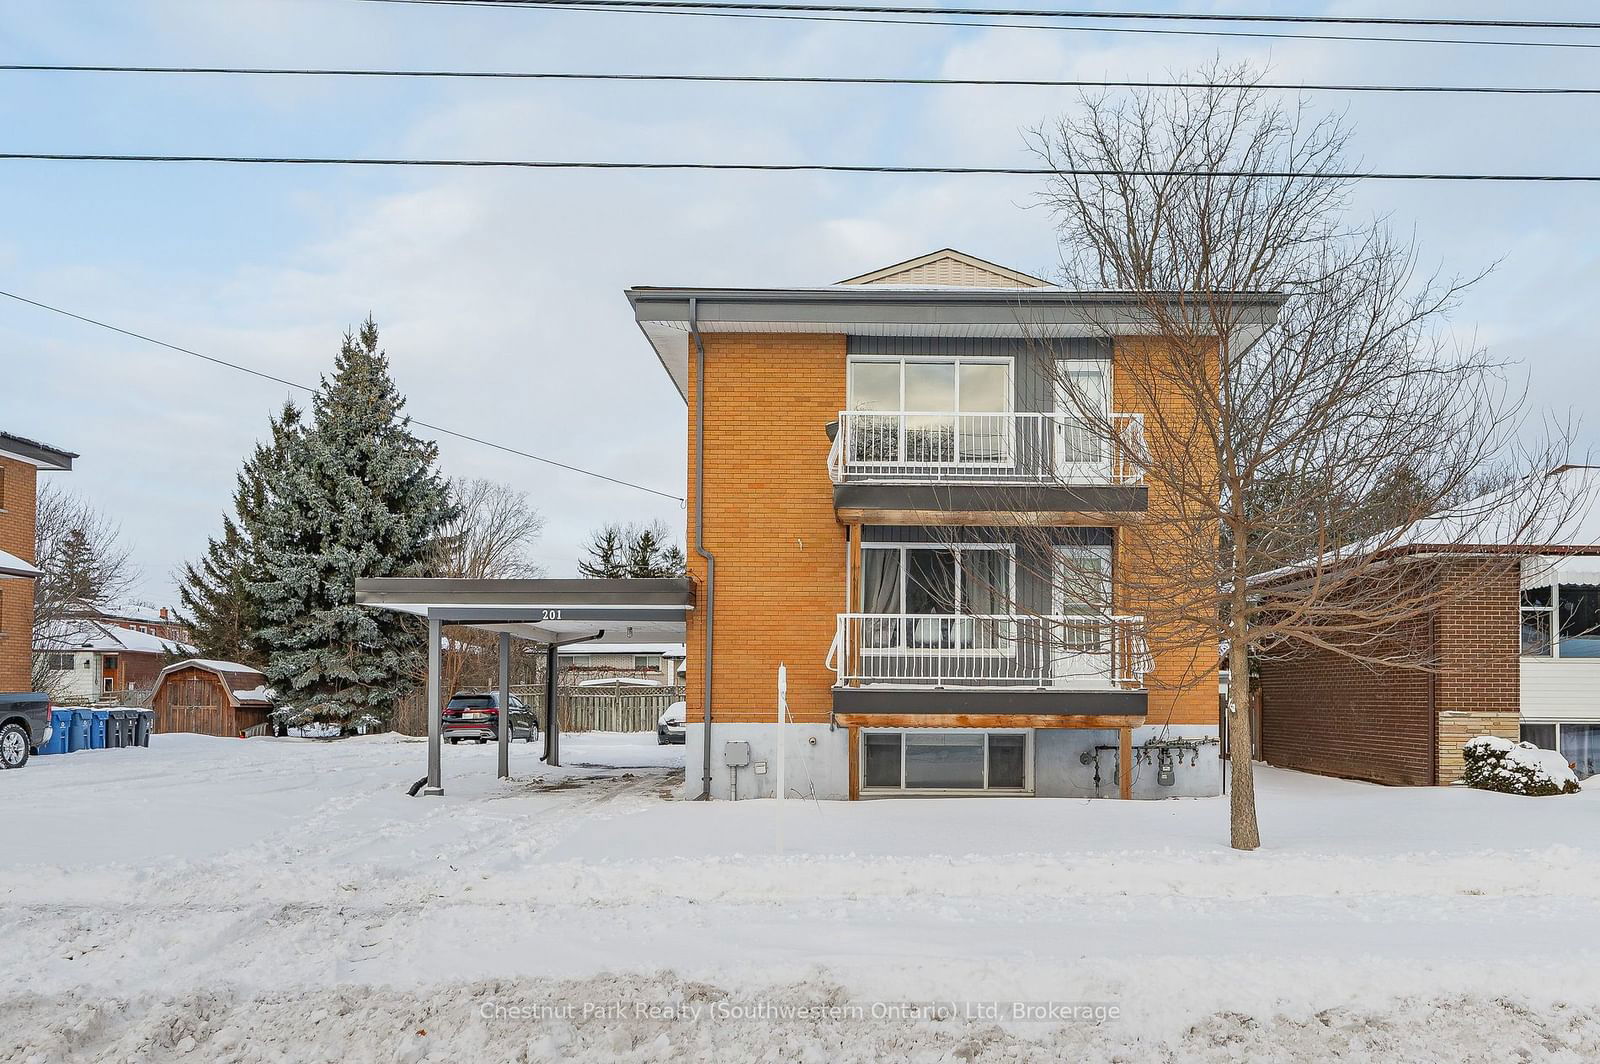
x=1554, y=612
x=1026, y=790
x=1008, y=647
x=956, y=361
x=1088, y=471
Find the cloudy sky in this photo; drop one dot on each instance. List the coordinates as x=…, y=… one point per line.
x=499, y=293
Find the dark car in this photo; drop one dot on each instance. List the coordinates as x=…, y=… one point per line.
x=669, y=726
x=476, y=715
x=24, y=726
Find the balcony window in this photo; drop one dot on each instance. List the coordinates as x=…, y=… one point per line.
x=1083, y=400
x=924, y=590
x=929, y=411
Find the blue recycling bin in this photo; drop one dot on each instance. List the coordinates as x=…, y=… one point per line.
x=60, y=725
x=98, y=719
x=78, y=734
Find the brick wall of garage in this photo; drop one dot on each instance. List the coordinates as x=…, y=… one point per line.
x=1322, y=712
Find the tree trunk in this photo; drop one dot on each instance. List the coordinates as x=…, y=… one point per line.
x=1244, y=833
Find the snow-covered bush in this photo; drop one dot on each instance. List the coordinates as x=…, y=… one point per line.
x=1496, y=764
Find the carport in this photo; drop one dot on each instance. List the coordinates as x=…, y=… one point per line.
x=551, y=613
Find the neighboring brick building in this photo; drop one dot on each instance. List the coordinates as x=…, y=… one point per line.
x=1515, y=642
x=855, y=436
x=21, y=460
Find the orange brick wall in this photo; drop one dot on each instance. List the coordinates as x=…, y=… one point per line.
x=769, y=520
x=1183, y=687
x=16, y=596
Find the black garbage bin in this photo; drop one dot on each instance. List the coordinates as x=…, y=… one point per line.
x=114, y=722
x=143, y=721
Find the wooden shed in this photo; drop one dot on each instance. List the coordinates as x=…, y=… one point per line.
x=211, y=698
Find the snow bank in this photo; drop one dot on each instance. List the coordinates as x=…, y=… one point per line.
x=1498, y=764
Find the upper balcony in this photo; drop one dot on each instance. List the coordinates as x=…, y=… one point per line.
x=920, y=461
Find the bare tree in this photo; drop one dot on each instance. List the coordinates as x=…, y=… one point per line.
x=86, y=566
x=1303, y=402
x=494, y=528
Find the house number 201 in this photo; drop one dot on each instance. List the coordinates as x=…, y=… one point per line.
x=551, y=615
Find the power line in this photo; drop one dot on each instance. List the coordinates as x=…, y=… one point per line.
x=780, y=79
x=306, y=388
x=967, y=24
x=835, y=168
x=1033, y=12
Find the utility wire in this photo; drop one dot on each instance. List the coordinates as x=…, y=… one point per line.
x=1067, y=13
x=780, y=79
x=966, y=24
x=834, y=168
x=305, y=388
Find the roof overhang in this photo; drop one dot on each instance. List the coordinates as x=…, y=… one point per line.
x=663, y=314
x=35, y=453
x=13, y=566
x=545, y=611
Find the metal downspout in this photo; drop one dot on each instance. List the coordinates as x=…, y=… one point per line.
x=700, y=543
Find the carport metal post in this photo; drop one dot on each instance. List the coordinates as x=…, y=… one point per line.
x=505, y=705
x=435, y=784
x=552, y=712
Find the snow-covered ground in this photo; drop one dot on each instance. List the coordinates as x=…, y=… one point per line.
x=283, y=900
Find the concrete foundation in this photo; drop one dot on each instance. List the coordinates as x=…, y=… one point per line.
x=819, y=762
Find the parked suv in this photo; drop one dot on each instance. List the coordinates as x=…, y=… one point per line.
x=24, y=726
x=476, y=715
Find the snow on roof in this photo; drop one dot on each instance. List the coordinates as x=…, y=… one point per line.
x=1558, y=512
x=216, y=665
x=258, y=693
x=666, y=650
x=82, y=634
x=625, y=681
x=11, y=565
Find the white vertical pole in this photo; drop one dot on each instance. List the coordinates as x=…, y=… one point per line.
x=783, y=743
x=504, y=713
x=435, y=784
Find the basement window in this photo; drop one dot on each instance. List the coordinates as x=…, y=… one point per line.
x=929, y=761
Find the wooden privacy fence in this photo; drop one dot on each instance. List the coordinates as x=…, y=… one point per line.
x=612, y=707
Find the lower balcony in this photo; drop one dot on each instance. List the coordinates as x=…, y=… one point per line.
x=989, y=665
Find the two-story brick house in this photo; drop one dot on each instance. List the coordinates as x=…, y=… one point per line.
x=21, y=460
x=862, y=458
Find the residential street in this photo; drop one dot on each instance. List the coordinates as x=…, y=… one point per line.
x=284, y=900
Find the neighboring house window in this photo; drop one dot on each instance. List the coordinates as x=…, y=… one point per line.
x=109, y=663
x=1562, y=621
x=933, y=411
x=577, y=659
x=1578, y=743
x=1538, y=616
x=646, y=661
x=927, y=586
x=57, y=662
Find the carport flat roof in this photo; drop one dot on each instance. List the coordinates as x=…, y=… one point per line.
x=545, y=611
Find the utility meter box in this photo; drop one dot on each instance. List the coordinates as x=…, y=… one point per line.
x=736, y=755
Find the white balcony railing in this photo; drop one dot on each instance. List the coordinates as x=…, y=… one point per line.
x=1026, y=448
x=989, y=650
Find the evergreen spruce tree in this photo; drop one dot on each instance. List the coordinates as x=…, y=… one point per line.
x=632, y=550
x=219, y=603
x=358, y=497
